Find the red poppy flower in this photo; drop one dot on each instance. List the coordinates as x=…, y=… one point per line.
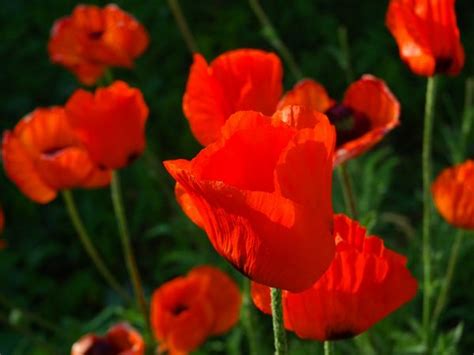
x=110, y=124
x=266, y=207
x=42, y=155
x=121, y=339
x=92, y=39
x=427, y=35
x=368, y=111
x=238, y=80
x=188, y=309
x=365, y=283
x=453, y=194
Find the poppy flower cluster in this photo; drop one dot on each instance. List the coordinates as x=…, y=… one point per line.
x=427, y=35
x=121, y=339
x=453, y=194
x=247, y=79
x=92, y=39
x=364, y=283
x=256, y=201
x=57, y=148
x=188, y=309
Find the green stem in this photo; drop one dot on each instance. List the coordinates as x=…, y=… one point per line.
x=89, y=246
x=348, y=192
x=467, y=114
x=248, y=319
x=327, y=348
x=183, y=26
x=126, y=246
x=279, y=333
x=453, y=258
x=427, y=206
x=271, y=34
x=345, y=49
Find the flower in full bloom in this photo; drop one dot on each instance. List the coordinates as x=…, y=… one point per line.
x=42, y=155
x=262, y=193
x=365, y=282
x=121, y=339
x=110, y=123
x=368, y=111
x=238, y=80
x=92, y=39
x=453, y=194
x=427, y=35
x=188, y=309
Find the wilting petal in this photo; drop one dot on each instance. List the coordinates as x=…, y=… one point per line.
x=110, y=124
x=364, y=284
x=427, y=35
x=453, y=195
x=308, y=93
x=253, y=206
x=371, y=99
x=239, y=80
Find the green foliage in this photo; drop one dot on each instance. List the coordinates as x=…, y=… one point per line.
x=45, y=270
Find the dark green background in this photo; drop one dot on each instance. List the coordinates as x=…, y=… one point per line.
x=45, y=269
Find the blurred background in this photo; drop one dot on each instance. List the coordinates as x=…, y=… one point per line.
x=44, y=268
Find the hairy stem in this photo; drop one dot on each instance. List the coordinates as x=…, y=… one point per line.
x=279, y=333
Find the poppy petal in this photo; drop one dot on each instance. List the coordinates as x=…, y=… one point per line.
x=308, y=93
x=239, y=80
x=371, y=98
x=20, y=169
x=337, y=306
x=453, y=195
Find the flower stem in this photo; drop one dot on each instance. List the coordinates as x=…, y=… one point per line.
x=89, y=246
x=271, y=34
x=467, y=115
x=183, y=26
x=126, y=246
x=279, y=333
x=453, y=258
x=327, y=348
x=427, y=206
x=248, y=319
x=348, y=192
x=346, y=54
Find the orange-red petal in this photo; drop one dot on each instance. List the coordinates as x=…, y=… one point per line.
x=371, y=98
x=254, y=210
x=42, y=156
x=92, y=38
x=427, y=35
x=453, y=194
x=364, y=283
x=224, y=296
x=243, y=79
x=110, y=124
x=308, y=93
x=187, y=310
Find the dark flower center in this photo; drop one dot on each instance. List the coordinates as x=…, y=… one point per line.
x=54, y=150
x=102, y=347
x=95, y=35
x=349, y=125
x=443, y=64
x=178, y=309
